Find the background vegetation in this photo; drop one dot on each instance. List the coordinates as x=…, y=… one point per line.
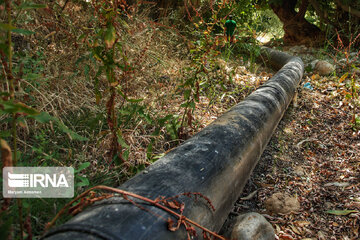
x=108, y=87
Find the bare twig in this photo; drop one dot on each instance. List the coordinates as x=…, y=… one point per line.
x=184, y=220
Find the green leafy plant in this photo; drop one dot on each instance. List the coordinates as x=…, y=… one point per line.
x=80, y=180
x=12, y=109
x=8, y=104
x=106, y=49
x=204, y=51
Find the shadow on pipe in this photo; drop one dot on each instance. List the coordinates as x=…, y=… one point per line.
x=216, y=162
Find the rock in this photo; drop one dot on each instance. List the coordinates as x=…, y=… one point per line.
x=252, y=226
x=282, y=203
x=324, y=68
x=298, y=170
x=328, y=205
x=313, y=64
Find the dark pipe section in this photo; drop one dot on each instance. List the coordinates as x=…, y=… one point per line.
x=216, y=162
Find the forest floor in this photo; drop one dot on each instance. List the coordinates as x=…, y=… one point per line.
x=314, y=156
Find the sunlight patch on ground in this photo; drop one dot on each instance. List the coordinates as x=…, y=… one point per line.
x=264, y=37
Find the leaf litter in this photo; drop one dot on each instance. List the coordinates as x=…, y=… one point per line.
x=314, y=155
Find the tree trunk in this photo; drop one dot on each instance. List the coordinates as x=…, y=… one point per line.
x=297, y=29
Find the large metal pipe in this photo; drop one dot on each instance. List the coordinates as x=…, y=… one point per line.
x=216, y=162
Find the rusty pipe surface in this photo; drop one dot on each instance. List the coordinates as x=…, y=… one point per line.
x=216, y=162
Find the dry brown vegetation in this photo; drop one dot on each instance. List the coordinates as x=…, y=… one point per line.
x=317, y=136
x=159, y=56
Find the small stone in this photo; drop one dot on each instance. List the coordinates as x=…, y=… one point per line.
x=282, y=203
x=251, y=226
x=324, y=68
x=298, y=170
x=328, y=205
x=313, y=64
